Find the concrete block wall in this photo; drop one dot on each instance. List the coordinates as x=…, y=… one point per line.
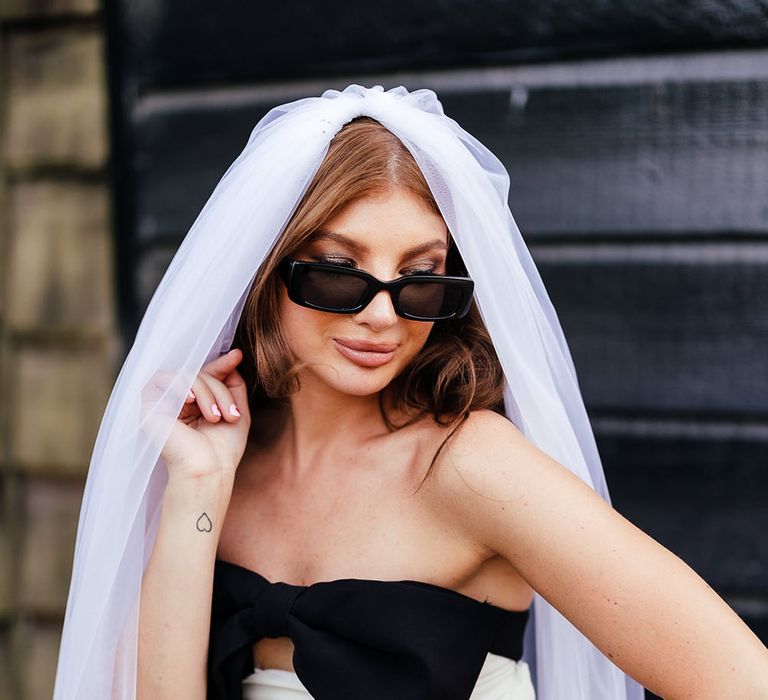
x=58, y=339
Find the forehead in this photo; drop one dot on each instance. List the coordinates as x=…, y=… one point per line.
x=393, y=220
x=359, y=246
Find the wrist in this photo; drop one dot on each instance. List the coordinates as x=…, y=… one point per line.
x=209, y=491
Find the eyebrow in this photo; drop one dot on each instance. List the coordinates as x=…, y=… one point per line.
x=361, y=249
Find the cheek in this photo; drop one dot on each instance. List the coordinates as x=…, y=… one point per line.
x=298, y=325
x=307, y=331
x=418, y=334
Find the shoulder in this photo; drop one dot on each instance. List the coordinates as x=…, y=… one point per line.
x=490, y=448
x=486, y=446
x=491, y=480
x=486, y=429
x=483, y=458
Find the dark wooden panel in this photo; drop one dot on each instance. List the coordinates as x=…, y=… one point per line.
x=664, y=159
x=178, y=159
x=190, y=43
x=701, y=497
x=668, y=159
x=682, y=329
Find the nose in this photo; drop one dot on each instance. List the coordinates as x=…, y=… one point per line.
x=380, y=313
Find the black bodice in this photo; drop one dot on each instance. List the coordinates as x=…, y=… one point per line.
x=358, y=638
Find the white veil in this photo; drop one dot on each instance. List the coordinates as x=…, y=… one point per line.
x=184, y=327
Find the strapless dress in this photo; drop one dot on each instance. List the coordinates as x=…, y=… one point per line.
x=363, y=639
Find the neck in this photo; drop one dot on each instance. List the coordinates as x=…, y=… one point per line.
x=324, y=427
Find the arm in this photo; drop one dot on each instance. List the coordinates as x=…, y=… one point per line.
x=202, y=454
x=641, y=605
x=175, y=613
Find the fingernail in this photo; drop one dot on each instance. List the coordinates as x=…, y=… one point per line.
x=215, y=410
x=190, y=394
x=233, y=410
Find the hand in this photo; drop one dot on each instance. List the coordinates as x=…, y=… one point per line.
x=209, y=436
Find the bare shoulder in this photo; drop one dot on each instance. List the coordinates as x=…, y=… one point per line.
x=493, y=480
x=484, y=432
x=468, y=446
x=488, y=456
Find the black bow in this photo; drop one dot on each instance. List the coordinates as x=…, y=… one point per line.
x=356, y=638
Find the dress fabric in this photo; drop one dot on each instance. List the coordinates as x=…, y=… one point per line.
x=500, y=679
x=363, y=639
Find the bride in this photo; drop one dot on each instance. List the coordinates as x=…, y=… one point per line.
x=358, y=500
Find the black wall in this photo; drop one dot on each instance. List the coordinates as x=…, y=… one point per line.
x=636, y=138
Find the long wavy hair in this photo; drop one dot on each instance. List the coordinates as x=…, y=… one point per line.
x=457, y=371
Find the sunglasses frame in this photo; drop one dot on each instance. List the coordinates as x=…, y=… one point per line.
x=293, y=271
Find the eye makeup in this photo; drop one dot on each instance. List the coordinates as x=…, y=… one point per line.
x=423, y=267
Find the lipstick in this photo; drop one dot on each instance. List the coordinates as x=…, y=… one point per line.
x=366, y=353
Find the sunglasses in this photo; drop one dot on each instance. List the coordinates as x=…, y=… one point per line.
x=347, y=290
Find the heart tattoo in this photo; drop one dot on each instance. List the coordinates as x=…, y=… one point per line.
x=204, y=523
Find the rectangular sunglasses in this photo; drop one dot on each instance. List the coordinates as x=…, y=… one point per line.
x=347, y=290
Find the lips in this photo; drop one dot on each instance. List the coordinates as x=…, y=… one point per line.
x=365, y=353
x=366, y=345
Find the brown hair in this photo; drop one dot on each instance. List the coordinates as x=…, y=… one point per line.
x=457, y=370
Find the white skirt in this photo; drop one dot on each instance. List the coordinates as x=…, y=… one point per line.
x=500, y=679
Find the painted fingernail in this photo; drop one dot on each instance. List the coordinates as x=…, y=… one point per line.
x=215, y=410
x=233, y=410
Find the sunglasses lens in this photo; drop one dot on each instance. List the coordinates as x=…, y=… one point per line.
x=332, y=290
x=430, y=299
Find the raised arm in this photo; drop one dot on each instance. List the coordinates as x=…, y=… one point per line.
x=202, y=455
x=639, y=603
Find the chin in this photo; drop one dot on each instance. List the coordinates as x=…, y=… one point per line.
x=355, y=381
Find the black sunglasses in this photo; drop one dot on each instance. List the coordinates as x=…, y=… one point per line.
x=347, y=290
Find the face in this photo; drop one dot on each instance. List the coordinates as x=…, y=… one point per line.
x=388, y=235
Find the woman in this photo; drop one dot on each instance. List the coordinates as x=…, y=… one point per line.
x=348, y=510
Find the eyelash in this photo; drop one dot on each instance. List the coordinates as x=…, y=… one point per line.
x=344, y=262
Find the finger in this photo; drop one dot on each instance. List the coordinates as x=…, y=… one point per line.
x=206, y=401
x=222, y=366
x=236, y=384
x=161, y=380
x=157, y=387
x=190, y=411
x=223, y=398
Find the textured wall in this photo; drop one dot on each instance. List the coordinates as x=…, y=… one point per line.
x=58, y=344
